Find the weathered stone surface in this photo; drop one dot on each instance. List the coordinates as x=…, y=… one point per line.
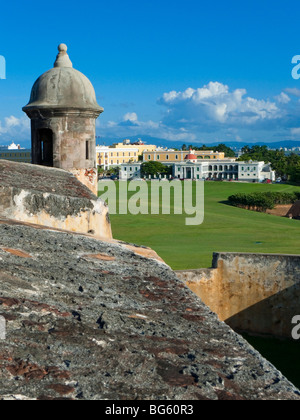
x=93, y=320
x=63, y=87
x=42, y=179
x=51, y=197
x=257, y=293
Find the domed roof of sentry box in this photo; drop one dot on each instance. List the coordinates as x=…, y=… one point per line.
x=63, y=88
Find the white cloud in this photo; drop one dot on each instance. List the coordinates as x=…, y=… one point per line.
x=12, y=121
x=293, y=91
x=295, y=131
x=130, y=116
x=215, y=112
x=216, y=104
x=16, y=129
x=130, y=125
x=283, y=98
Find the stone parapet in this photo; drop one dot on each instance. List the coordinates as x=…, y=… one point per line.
x=51, y=197
x=93, y=320
x=257, y=293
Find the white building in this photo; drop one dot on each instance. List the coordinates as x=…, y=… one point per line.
x=219, y=169
x=225, y=169
x=14, y=146
x=130, y=171
x=255, y=172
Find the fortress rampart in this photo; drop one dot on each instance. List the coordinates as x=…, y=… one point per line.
x=138, y=331
x=256, y=293
x=51, y=197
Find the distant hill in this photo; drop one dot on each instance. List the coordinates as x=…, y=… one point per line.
x=178, y=144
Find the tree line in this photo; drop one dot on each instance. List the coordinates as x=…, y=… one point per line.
x=284, y=166
x=220, y=148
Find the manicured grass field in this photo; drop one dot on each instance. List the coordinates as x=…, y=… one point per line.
x=225, y=228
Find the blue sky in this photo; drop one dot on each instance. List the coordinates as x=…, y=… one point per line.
x=195, y=71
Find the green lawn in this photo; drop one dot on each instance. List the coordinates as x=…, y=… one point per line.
x=225, y=228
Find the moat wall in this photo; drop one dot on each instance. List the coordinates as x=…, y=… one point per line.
x=256, y=293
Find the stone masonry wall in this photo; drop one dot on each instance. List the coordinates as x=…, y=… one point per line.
x=51, y=197
x=70, y=133
x=92, y=320
x=258, y=293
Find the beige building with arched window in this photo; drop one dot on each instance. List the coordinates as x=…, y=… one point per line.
x=119, y=153
x=180, y=155
x=108, y=156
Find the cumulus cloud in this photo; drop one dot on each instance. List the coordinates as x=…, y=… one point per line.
x=215, y=112
x=12, y=121
x=16, y=129
x=214, y=104
x=130, y=120
x=130, y=116
x=293, y=91
x=283, y=98
x=130, y=125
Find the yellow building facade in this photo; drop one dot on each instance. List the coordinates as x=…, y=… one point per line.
x=179, y=156
x=140, y=146
x=120, y=153
x=108, y=157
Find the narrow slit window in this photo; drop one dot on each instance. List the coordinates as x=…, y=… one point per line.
x=87, y=151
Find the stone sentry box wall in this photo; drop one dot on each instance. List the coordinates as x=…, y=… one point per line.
x=256, y=293
x=73, y=138
x=63, y=110
x=73, y=135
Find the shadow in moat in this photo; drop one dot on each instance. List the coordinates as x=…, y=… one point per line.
x=267, y=326
x=272, y=316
